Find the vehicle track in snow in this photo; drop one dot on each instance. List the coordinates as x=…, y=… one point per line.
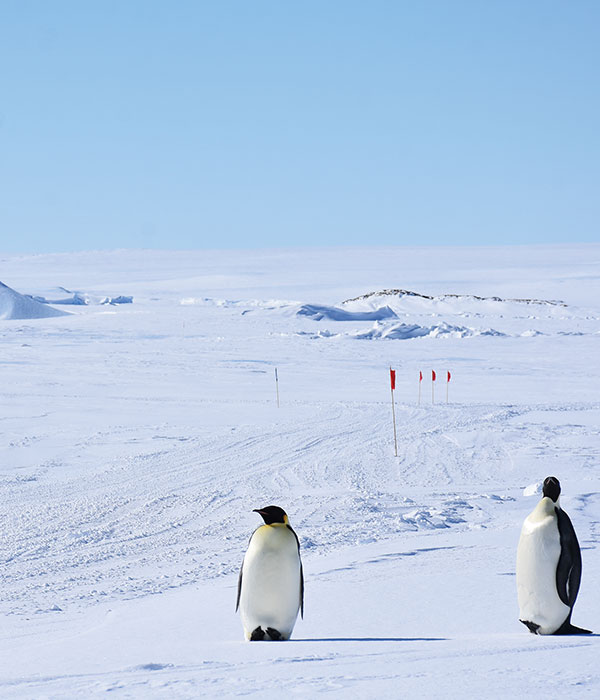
x=161, y=518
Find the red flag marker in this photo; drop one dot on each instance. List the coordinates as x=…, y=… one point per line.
x=420, y=376
x=449, y=376
x=447, y=382
x=433, y=375
x=393, y=386
x=420, y=380
x=432, y=385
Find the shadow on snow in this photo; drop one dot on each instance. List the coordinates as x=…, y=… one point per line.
x=372, y=639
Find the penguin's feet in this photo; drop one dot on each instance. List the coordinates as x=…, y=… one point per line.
x=274, y=634
x=568, y=628
x=257, y=635
x=531, y=626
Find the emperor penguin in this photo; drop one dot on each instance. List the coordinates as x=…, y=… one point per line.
x=548, y=566
x=271, y=582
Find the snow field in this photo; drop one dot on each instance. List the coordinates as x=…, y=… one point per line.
x=137, y=439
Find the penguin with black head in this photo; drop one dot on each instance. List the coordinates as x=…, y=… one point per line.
x=271, y=582
x=548, y=566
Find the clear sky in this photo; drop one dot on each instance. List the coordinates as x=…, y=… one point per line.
x=255, y=123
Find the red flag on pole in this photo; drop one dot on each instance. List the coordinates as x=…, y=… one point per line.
x=393, y=385
x=433, y=375
x=449, y=375
x=420, y=376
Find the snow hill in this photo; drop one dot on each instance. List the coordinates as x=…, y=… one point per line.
x=136, y=440
x=390, y=309
x=400, y=295
x=17, y=306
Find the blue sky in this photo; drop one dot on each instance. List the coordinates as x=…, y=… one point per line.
x=232, y=124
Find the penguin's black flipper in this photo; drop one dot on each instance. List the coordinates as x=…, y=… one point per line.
x=239, y=592
x=568, y=571
x=531, y=626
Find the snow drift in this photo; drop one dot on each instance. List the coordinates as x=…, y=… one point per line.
x=407, y=331
x=18, y=306
x=78, y=298
x=334, y=313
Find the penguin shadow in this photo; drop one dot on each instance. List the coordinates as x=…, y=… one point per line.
x=371, y=639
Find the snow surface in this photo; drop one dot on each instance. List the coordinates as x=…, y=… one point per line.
x=136, y=440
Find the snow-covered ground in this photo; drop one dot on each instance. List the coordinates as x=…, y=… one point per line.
x=137, y=438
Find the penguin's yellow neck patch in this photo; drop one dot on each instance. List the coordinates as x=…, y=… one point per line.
x=544, y=509
x=273, y=534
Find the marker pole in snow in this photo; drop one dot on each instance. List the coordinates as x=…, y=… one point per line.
x=393, y=386
x=420, y=380
x=277, y=386
x=432, y=386
x=448, y=376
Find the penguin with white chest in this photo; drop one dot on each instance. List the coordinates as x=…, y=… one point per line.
x=271, y=582
x=548, y=567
